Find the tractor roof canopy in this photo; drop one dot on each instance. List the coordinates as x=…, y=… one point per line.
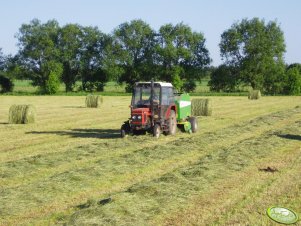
x=163, y=84
x=163, y=94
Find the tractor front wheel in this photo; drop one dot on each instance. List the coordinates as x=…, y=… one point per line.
x=194, y=124
x=124, y=130
x=172, y=123
x=157, y=131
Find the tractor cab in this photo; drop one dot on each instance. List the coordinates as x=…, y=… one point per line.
x=153, y=98
x=142, y=95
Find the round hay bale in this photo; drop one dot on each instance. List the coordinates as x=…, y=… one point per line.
x=93, y=101
x=254, y=95
x=201, y=107
x=22, y=114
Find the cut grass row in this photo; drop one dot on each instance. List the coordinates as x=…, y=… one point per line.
x=81, y=153
x=141, y=202
x=113, y=169
x=245, y=196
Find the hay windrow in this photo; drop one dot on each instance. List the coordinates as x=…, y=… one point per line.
x=22, y=114
x=254, y=95
x=201, y=107
x=93, y=101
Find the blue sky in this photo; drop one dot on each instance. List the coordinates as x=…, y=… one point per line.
x=211, y=17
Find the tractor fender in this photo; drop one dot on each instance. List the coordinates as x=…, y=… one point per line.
x=171, y=107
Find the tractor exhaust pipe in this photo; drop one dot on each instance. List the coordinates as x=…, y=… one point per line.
x=152, y=102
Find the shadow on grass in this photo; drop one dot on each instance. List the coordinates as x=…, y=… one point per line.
x=4, y=123
x=290, y=136
x=84, y=133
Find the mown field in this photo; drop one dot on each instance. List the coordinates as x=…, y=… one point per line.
x=71, y=167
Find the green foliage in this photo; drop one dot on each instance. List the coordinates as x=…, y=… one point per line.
x=181, y=53
x=54, y=78
x=38, y=47
x=292, y=84
x=224, y=78
x=256, y=49
x=295, y=65
x=274, y=77
x=14, y=69
x=133, y=47
x=94, y=86
x=92, y=70
x=189, y=86
x=6, y=85
x=129, y=88
x=94, y=80
x=70, y=43
x=176, y=77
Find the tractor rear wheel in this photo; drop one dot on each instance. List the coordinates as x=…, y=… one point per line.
x=194, y=124
x=157, y=131
x=172, y=123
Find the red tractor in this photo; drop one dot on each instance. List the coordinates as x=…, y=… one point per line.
x=154, y=108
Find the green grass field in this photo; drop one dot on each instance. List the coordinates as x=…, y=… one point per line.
x=71, y=167
x=24, y=87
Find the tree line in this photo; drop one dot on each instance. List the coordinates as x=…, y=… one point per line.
x=48, y=55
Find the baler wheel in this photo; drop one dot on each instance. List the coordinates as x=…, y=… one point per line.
x=194, y=124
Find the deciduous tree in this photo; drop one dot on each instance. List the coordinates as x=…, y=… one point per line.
x=92, y=56
x=70, y=43
x=133, y=46
x=255, y=48
x=181, y=54
x=38, y=45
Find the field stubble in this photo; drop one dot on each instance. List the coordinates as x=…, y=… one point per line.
x=59, y=168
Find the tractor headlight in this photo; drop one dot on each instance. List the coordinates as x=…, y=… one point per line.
x=134, y=117
x=139, y=117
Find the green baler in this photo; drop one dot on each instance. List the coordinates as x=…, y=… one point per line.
x=184, y=119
